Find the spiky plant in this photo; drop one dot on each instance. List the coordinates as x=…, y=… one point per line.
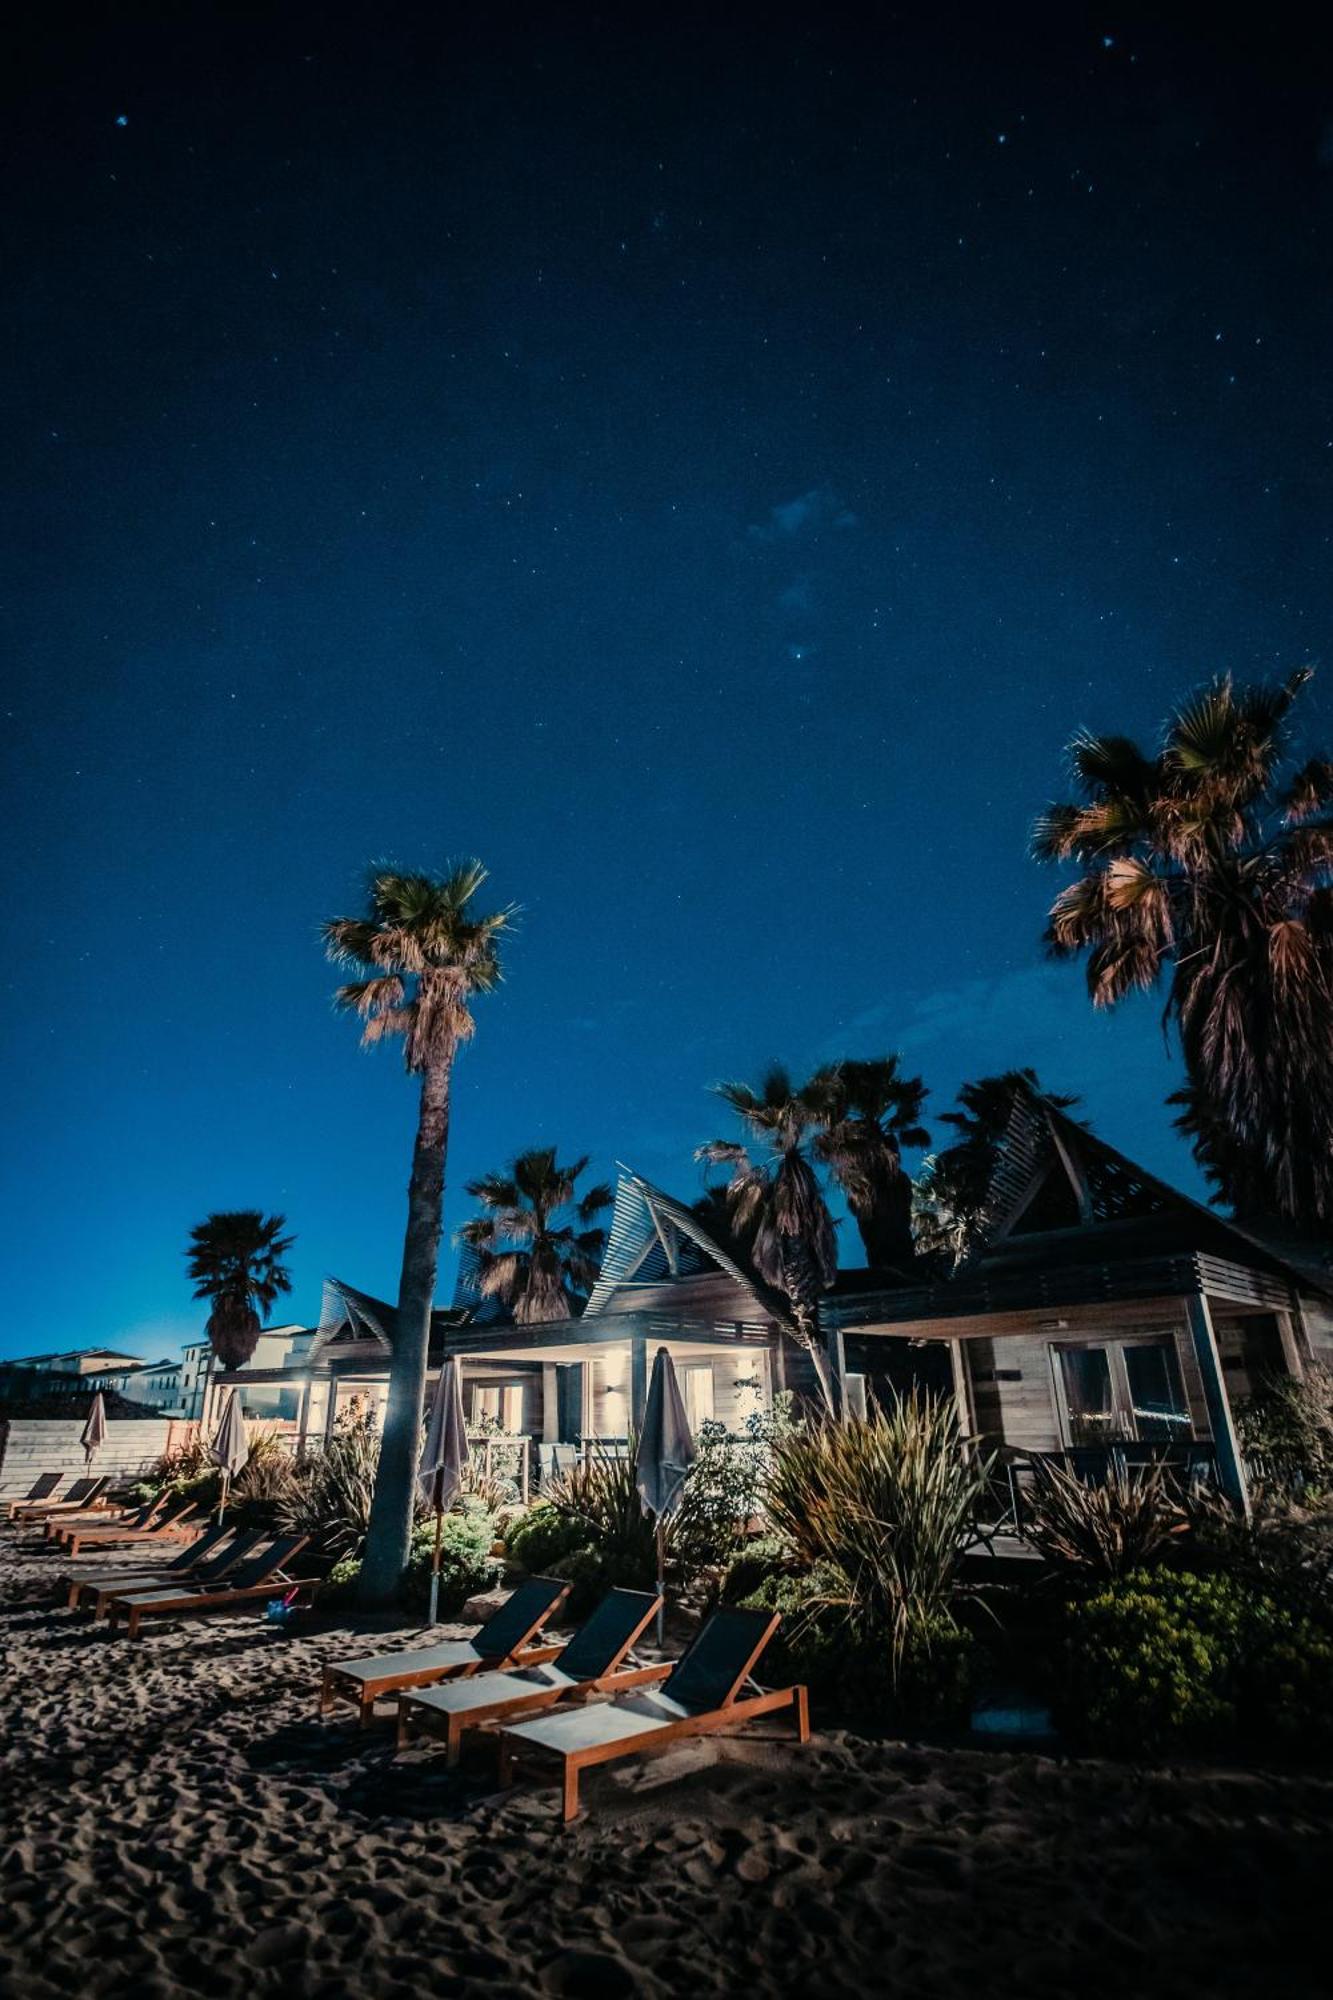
x=1107, y=1527
x=537, y=1242
x=777, y=1204
x=888, y=1504
x=869, y=1111
x=1210, y=863
x=426, y=952
x=235, y=1258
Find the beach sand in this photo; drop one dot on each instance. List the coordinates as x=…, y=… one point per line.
x=175, y=1819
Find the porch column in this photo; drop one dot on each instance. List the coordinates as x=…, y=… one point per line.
x=331, y=1409
x=303, y=1421
x=1230, y=1467
x=835, y=1349
x=550, y=1431
x=638, y=1380
x=962, y=1393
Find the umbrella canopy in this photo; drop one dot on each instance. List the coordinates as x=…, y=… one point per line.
x=94, y=1431
x=230, y=1448
x=666, y=1449
x=445, y=1451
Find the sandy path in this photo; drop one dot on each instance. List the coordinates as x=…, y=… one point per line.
x=173, y=1818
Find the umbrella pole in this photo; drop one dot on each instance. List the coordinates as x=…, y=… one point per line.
x=661, y=1585
x=222, y=1499
x=435, y=1559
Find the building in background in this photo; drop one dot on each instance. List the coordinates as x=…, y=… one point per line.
x=80, y=1361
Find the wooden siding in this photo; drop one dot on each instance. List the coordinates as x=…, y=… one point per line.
x=30, y=1446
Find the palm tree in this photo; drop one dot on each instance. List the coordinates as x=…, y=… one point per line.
x=427, y=953
x=869, y=1112
x=235, y=1258
x=538, y=1244
x=777, y=1204
x=1211, y=862
x=950, y=1195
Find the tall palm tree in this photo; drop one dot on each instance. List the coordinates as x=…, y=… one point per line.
x=869, y=1112
x=777, y=1203
x=538, y=1243
x=235, y=1258
x=949, y=1199
x=427, y=953
x=1211, y=863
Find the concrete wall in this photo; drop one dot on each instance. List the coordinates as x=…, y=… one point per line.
x=32, y=1446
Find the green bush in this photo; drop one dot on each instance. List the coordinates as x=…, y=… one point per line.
x=330, y=1498
x=849, y=1663
x=1168, y=1660
x=466, y=1565
x=546, y=1534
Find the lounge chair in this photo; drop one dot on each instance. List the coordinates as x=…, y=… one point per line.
x=81, y=1494
x=260, y=1575
x=592, y=1663
x=42, y=1488
x=505, y=1640
x=700, y=1695
x=168, y=1525
x=101, y=1585
x=107, y=1520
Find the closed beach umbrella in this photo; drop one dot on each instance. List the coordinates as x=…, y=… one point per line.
x=94, y=1431
x=230, y=1448
x=443, y=1457
x=665, y=1455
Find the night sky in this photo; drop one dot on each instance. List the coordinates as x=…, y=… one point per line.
x=707, y=467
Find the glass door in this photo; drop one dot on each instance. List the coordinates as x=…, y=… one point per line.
x=1123, y=1390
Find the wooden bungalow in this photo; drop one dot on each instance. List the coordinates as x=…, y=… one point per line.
x=664, y=1282
x=1104, y=1310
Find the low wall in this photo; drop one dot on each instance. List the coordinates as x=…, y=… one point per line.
x=30, y=1446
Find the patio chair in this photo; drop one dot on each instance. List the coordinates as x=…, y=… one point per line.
x=42, y=1488
x=167, y=1525
x=504, y=1640
x=593, y=1662
x=81, y=1494
x=702, y=1693
x=259, y=1576
x=99, y=1586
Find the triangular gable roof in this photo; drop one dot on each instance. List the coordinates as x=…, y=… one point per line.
x=655, y=1239
x=1106, y=1185
x=343, y=1310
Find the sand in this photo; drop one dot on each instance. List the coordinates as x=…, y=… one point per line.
x=175, y=1819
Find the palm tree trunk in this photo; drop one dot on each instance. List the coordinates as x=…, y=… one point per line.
x=389, y=1534
x=799, y=1285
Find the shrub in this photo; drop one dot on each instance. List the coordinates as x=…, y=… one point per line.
x=1106, y=1528
x=724, y=1489
x=1286, y=1434
x=466, y=1564
x=885, y=1505
x=617, y=1543
x=846, y=1660
x=1166, y=1660
x=545, y=1535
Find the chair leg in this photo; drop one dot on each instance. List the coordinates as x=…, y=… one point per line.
x=570, y=1800
x=504, y=1771
x=453, y=1744
x=366, y=1712
x=802, y=1715
x=325, y=1694
x=404, y=1737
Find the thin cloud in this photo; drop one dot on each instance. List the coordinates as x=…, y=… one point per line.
x=805, y=515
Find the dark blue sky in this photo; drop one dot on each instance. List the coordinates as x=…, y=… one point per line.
x=707, y=469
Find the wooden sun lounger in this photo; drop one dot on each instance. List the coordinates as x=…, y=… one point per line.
x=506, y=1639
x=195, y=1564
x=701, y=1695
x=81, y=1494
x=171, y=1526
x=42, y=1488
x=263, y=1574
x=104, y=1520
x=594, y=1662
